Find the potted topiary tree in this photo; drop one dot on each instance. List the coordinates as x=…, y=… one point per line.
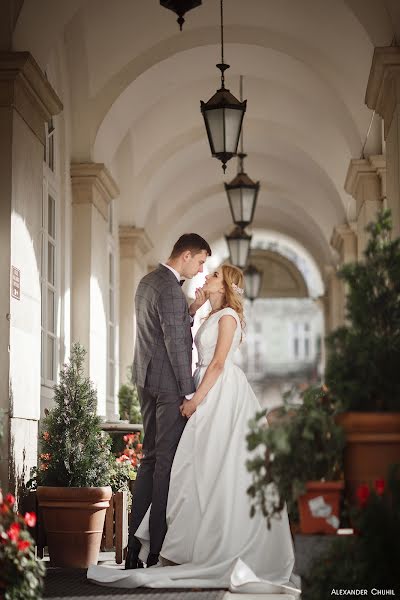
x=362, y=370
x=300, y=463
x=75, y=469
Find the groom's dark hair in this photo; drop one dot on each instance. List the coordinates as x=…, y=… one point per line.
x=190, y=241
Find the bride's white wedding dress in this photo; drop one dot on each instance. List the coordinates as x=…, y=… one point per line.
x=211, y=537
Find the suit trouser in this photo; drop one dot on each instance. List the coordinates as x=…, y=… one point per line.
x=163, y=426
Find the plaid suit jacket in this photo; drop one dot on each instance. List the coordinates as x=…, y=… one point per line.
x=163, y=348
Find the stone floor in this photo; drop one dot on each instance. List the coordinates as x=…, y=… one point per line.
x=71, y=584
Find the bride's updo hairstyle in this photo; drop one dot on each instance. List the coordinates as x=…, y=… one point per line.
x=234, y=290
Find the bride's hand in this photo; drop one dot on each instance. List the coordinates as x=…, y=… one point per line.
x=188, y=408
x=201, y=298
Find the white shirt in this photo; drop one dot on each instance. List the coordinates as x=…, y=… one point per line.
x=178, y=276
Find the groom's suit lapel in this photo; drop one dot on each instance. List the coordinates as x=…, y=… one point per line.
x=165, y=272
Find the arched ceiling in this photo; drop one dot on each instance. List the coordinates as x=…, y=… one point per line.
x=280, y=277
x=136, y=83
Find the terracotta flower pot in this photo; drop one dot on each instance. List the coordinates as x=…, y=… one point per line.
x=74, y=521
x=319, y=507
x=372, y=444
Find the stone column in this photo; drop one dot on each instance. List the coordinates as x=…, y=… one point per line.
x=333, y=300
x=93, y=188
x=364, y=183
x=27, y=101
x=344, y=241
x=383, y=95
x=134, y=244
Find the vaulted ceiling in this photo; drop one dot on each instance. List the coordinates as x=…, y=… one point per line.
x=136, y=83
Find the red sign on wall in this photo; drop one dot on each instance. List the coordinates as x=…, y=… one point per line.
x=15, y=283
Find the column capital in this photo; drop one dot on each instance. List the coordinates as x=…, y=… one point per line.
x=383, y=89
x=92, y=183
x=363, y=180
x=24, y=87
x=344, y=241
x=133, y=242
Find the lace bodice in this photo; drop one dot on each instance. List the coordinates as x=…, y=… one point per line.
x=207, y=336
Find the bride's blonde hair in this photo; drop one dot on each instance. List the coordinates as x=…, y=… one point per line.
x=234, y=279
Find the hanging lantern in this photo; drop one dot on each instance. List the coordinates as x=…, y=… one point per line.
x=180, y=7
x=242, y=195
x=252, y=282
x=223, y=115
x=239, y=246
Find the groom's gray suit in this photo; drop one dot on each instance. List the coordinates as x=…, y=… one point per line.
x=162, y=370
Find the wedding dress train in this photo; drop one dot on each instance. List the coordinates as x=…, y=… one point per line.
x=211, y=538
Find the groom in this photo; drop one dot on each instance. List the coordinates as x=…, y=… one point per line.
x=162, y=370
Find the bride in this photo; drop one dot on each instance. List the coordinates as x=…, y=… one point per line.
x=211, y=540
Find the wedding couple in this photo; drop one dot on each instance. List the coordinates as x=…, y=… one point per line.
x=191, y=514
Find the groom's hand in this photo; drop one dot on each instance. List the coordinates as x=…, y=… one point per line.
x=201, y=298
x=188, y=408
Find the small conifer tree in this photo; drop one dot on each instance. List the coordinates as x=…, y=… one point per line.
x=75, y=452
x=362, y=370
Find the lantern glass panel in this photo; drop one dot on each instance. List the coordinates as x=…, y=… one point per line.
x=233, y=123
x=239, y=250
x=242, y=204
x=223, y=125
x=252, y=283
x=215, y=121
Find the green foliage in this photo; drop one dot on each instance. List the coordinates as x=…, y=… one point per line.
x=369, y=559
x=129, y=407
x=20, y=572
x=364, y=355
x=302, y=444
x=75, y=452
x=122, y=474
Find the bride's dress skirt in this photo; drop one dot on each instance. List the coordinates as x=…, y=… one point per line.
x=211, y=536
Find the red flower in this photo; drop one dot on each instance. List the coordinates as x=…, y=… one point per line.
x=30, y=519
x=363, y=494
x=46, y=436
x=126, y=438
x=380, y=486
x=23, y=545
x=10, y=499
x=13, y=531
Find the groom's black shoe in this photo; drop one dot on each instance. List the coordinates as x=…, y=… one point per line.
x=132, y=557
x=152, y=560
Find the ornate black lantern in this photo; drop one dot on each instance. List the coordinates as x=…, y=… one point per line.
x=252, y=282
x=223, y=115
x=180, y=7
x=239, y=246
x=242, y=195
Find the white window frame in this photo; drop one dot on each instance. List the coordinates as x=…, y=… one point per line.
x=301, y=331
x=111, y=319
x=51, y=187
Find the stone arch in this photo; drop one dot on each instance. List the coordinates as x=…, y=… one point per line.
x=281, y=278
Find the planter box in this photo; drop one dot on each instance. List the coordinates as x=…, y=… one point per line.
x=115, y=533
x=319, y=507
